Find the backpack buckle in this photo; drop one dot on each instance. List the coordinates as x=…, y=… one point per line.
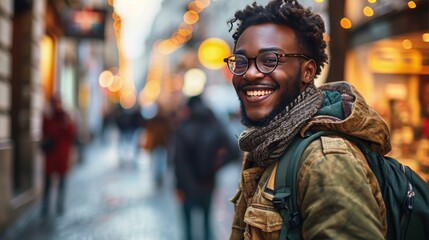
x=280, y=199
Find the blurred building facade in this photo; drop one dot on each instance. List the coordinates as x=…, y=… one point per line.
x=22, y=27
x=6, y=147
x=41, y=57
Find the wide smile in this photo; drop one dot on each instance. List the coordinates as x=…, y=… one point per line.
x=258, y=93
x=255, y=94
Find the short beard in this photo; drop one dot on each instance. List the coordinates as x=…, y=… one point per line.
x=286, y=100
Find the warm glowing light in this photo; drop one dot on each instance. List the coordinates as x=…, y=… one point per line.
x=115, y=16
x=345, y=23
x=142, y=100
x=195, y=7
x=372, y=1
x=184, y=32
x=116, y=84
x=152, y=90
x=186, y=26
x=127, y=99
x=407, y=44
x=194, y=82
x=105, y=79
x=396, y=90
x=326, y=37
x=212, y=52
x=425, y=37
x=395, y=60
x=190, y=17
x=202, y=3
x=165, y=47
x=367, y=11
x=47, y=64
x=412, y=4
x=178, y=39
x=319, y=1
x=117, y=24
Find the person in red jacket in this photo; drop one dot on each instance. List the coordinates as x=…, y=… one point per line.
x=58, y=139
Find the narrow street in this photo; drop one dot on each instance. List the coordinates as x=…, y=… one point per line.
x=109, y=199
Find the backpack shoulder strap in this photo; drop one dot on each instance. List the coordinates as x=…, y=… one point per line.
x=285, y=184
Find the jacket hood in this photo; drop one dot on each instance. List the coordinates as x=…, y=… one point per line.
x=345, y=110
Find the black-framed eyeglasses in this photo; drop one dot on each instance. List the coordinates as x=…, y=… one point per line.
x=266, y=62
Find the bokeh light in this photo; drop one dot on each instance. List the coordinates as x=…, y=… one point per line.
x=425, y=37
x=194, y=82
x=407, y=44
x=105, y=79
x=190, y=17
x=367, y=11
x=412, y=4
x=116, y=84
x=212, y=52
x=345, y=23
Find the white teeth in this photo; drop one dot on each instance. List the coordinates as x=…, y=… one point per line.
x=258, y=93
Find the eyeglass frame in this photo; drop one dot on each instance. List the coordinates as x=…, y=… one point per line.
x=278, y=55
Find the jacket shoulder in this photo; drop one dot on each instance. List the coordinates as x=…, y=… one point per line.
x=335, y=186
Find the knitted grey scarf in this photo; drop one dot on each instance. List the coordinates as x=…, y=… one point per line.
x=268, y=143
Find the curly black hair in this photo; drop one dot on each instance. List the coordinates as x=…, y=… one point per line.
x=308, y=26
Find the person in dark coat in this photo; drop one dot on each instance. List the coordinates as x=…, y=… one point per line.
x=201, y=147
x=57, y=142
x=129, y=123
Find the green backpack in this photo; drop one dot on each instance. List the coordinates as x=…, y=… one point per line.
x=405, y=194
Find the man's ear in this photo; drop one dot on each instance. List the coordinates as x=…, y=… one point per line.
x=308, y=70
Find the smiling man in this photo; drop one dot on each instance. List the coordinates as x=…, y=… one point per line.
x=278, y=51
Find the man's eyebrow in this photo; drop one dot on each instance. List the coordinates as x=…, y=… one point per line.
x=243, y=52
x=269, y=49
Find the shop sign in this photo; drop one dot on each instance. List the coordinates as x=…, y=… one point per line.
x=84, y=23
x=394, y=60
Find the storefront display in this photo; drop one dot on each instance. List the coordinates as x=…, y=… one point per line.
x=389, y=64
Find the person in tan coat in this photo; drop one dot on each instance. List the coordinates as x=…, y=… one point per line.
x=278, y=52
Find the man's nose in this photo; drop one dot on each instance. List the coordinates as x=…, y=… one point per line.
x=252, y=71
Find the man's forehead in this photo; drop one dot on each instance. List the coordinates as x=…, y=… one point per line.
x=267, y=35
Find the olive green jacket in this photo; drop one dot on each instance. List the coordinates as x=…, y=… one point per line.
x=338, y=195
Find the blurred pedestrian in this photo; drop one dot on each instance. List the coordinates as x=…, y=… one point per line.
x=108, y=121
x=201, y=147
x=129, y=123
x=156, y=138
x=57, y=142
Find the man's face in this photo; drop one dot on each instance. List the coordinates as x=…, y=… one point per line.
x=263, y=96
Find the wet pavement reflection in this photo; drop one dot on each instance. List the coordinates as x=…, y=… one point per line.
x=111, y=199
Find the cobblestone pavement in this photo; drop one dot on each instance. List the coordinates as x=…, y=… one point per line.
x=109, y=199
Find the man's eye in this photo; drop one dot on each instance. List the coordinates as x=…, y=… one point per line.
x=240, y=62
x=269, y=61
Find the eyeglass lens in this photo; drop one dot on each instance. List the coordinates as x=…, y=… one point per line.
x=265, y=62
